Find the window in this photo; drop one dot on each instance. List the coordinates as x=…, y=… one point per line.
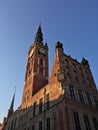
x=40, y=125
x=28, y=128
x=38, y=70
x=74, y=65
x=44, y=63
x=89, y=99
x=81, y=96
x=15, y=122
x=95, y=123
x=28, y=95
x=34, y=108
x=72, y=95
x=68, y=74
x=96, y=101
x=54, y=74
x=67, y=66
x=41, y=70
x=47, y=101
x=40, y=105
x=66, y=60
x=77, y=122
x=81, y=75
x=48, y=124
x=86, y=120
x=33, y=127
x=9, y=126
x=83, y=82
x=76, y=78
x=12, y=124
x=41, y=62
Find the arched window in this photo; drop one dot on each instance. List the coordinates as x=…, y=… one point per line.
x=41, y=62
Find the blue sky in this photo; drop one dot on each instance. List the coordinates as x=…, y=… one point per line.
x=73, y=22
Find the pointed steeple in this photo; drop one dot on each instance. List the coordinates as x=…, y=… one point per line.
x=11, y=109
x=39, y=35
x=12, y=103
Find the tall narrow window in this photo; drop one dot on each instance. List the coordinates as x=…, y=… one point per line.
x=28, y=128
x=15, y=122
x=38, y=70
x=44, y=63
x=72, y=95
x=47, y=101
x=9, y=126
x=95, y=122
x=41, y=62
x=95, y=101
x=41, y=70
x=28, y=95
x=12, y=124
x=89, y=99
x=81, y=96
x=40, y=105
x=38, y=61
x=40, y=125
x=48, y=124
x=77, y=122
x=86, y=120
x=33, y=127
x=34, y=108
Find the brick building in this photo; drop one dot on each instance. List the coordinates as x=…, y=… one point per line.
x=68, y=100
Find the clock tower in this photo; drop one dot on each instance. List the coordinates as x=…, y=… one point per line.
x=36, y=75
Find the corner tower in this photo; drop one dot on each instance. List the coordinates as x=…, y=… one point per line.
x=37, y=68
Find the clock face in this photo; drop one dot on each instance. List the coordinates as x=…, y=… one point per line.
x=31, y=52
x=42, y=51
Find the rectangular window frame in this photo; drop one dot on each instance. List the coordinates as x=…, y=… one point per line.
x=77, y=121
x=81, y=96
x=34, y=109
x=40, y=125
x=95, y=101
x=40, y=105
x=33, y=127
x=47, y=101
x=95, y=122
x=72, y=94
x=89, y=99
x=48, y=123
x=87, y=124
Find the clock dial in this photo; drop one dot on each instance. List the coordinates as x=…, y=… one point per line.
x=42, y=51
x=31, y=52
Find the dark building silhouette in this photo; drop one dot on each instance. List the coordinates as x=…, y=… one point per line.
x=68, y=100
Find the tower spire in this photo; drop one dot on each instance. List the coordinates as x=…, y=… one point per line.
x=11, y=109
x=12, y=103
x=39, y=35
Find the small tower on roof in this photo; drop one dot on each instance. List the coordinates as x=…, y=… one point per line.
x=11, y=109
x=59, y=45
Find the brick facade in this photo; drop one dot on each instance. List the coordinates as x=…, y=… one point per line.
x=68, y=101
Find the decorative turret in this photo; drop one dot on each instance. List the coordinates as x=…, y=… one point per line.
x=39, y=35
x=84, y=62
x=59, y=45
